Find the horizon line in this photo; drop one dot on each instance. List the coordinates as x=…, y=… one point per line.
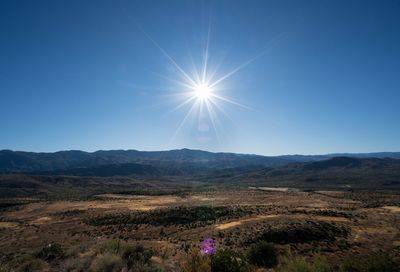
x=201, y=150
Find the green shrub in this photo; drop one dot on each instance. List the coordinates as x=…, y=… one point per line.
x=116, y=247
x=50, y=252
x=304, y=232
x=180, y=215
x=263, y=254
x=135, y=258
x=196, y=262
x=4, y=268
x=377, y=262
x=135, y=255
x=300, y=264
x=228, y=261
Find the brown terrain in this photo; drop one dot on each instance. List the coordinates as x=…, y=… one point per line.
x=333, y=223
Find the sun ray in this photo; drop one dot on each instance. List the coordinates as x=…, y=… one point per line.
x=195, y=73
x=212, y=118
x=205, y=61
x=187, y=101
x=183, y=84
x=229, y=101
x=170, y=58
x=234, y=71
x=246, y=63
x=216, y=105
x=188, y=114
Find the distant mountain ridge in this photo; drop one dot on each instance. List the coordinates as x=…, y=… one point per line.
x=345, y=172
x=20, y=161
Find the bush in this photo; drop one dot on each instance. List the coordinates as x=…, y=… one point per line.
x=50, y=252
x=107, y=262
x=304, y=233
x=180, y=215
x=373, y=263
x=4, y=268
x=133, y=256
x=76, y=264
x=300, y=264
x=196, y=262
x=115, y=247
x=227, y=261
x=263, y=254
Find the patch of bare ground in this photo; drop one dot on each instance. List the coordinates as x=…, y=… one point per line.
x=41, y=220
x=392, y=208
x=228, y=225
x=8, y=225
x=236, y=223
x=34, y=211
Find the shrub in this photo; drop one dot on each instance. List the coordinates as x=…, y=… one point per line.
x=376, y=262
x=76, y=264
x=263, y=254
x=300, y=264
x=107, y=262
x=135, y=255
x=304, y=233
x=135, y=258
x=181, y=215
x=50, y=252
x=116, y=247
x=196, y=262
x=228, y=261
x=4, y=267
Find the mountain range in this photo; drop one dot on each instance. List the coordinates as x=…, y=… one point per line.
x=172, y=162
x=81, y=174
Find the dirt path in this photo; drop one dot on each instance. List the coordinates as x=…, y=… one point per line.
x=236, y=223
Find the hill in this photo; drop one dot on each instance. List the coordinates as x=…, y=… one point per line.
x=337, y=172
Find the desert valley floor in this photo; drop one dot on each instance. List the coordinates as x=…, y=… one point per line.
x=333, y=224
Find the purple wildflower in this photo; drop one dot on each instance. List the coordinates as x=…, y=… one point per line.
x=208, y=247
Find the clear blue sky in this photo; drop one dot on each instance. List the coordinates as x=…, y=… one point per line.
x=83, y=75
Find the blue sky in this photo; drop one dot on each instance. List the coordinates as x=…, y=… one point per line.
x=86, y=75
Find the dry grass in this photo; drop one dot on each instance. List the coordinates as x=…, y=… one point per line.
x=34, y=224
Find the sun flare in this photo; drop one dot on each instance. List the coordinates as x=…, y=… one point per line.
x=202, y=92
x=201, y=88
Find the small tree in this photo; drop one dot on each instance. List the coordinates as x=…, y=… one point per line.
x=263, y=254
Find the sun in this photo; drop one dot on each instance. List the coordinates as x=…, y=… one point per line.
x=202, y=88
x=202, y=92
